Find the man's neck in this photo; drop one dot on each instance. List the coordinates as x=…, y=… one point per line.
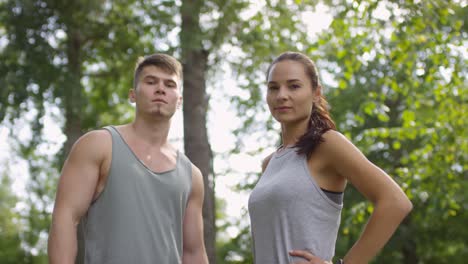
x=154, y=133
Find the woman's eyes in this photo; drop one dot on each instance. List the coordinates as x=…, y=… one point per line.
x=291, y=86
x=272, y=87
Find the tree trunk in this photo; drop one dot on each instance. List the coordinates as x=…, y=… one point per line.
x=73, y=101
x=72, y=90
x=195, y=107
x=409, y=248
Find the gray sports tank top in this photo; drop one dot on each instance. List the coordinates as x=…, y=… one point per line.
x=288, y=210
x=138, y=216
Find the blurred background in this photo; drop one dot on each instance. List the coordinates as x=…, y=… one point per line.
x=394, y=72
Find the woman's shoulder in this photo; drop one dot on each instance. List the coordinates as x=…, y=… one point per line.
x=266, y=160
x=334, y=139
x=336, y=144
x=339, y=155
x=331, y=135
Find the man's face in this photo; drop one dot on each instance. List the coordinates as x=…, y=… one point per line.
x=157, y=93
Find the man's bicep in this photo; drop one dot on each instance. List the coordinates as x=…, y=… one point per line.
x=193, y=219
x=79, y=178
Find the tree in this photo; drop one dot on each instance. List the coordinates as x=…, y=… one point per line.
x=52, y=59
x=390, y=90
x=195, y=104
x=395, y=77
x=199, y=42
x=402, y=65
x=10, y=241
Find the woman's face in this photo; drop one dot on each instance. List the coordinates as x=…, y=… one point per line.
x=290, y=95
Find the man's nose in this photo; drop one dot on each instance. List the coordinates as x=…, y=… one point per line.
x=160, y=89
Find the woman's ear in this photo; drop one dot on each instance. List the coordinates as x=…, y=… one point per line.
x=317, y=94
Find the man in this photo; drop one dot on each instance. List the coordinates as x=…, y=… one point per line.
x=139, y=199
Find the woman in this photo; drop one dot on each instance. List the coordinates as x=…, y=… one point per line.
x=296, y=205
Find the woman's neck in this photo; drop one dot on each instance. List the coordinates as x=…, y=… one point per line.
x=290, y=133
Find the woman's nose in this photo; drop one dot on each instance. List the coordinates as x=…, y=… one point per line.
x=282, y=93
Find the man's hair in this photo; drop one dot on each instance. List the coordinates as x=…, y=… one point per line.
x=160, y=60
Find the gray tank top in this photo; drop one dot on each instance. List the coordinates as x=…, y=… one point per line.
x=138, y=216
x=288, y=210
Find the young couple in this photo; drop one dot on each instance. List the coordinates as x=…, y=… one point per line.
x=132, y=197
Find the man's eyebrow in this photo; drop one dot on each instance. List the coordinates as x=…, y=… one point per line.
x=149, y=76
x=155, y=77
x=293, y=80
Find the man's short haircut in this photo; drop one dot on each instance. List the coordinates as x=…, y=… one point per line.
x=160, y=60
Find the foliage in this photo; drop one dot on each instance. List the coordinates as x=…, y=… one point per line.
x=55, y=56
x=395, y=73
x=398, y=91
x=9, y=229
x=406, y=73
x=50, y=57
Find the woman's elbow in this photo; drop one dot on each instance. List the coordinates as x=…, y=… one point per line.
x=407, y=206
x=403, y=205
x=396, y=205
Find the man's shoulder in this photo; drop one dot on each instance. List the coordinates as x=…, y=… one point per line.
x=188, y=162
x=196, y=171
x=193, y=168
x=98, y=134
x=106, y=132
x=94, y=139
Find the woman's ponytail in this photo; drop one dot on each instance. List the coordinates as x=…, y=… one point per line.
x=319, y=123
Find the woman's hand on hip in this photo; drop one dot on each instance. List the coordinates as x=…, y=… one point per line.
x=309, y=257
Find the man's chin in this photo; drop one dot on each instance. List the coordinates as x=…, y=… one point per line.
x=161, y=114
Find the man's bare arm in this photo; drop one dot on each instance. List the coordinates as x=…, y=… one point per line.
x=194, y=246
x=75, y=192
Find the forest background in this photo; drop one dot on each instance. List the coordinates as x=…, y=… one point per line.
x=394, y=72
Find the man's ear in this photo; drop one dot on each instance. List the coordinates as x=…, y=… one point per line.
x=131, y=95
x=179, y=102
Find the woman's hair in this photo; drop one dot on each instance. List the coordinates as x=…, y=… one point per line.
x=320, y=120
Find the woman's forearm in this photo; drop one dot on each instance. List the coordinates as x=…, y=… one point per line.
x=383, y=222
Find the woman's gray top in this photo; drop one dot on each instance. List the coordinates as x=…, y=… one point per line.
x=289, y=211
x=138, y=217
